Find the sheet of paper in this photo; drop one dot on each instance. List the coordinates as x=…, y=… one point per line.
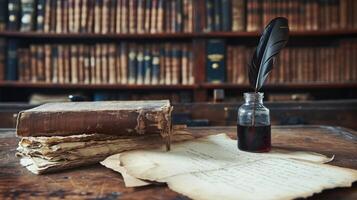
x=214, y=169
x=113, y=162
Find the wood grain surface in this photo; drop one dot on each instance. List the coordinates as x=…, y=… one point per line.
x=98, y=182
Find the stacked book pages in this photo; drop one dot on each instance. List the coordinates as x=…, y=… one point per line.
x=57, y=136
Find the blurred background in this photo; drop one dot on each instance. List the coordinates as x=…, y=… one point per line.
x=193, y=52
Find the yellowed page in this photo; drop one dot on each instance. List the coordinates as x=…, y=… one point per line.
x=113, y=162
x=213, y=168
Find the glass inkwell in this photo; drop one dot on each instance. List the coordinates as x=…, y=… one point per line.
x=253, y=124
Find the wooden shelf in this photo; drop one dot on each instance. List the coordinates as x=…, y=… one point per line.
x=15, y=84
x=283, y=86
x=17, y=34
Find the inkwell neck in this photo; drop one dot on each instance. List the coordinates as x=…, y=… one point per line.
x=253, y=97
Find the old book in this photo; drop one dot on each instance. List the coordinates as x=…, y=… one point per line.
x=40, y=58
x=33, y=62
x=105, y=63
x=14, y=15
x=11, y=60
x=168, y=64
x=124, y=63
x=215, y=61
x=184, y=64
x=226, y=9
x=92, y=60
x=2, y=58
x=111, y=63
x=132, y=64
x=130, y=117
x=40, y=15
x=124, y=16
x=132, y=17
x=39, y=156
x=112, y=16
x=140, y=16
x=105, y=17
x=155, y=66
x=153, y=17
x=59, y=16
x=66, y=63
x=60, y=65
x=98, y=64
x=48, y=71
x=54, y=63
x=117, y=64
x=162, y=64
x=3, y=14
x=178, y=19
x=160, y=16
x=65, y=8
x=238, y=15
x=147, y=18
x=86, y=64
x=140, y=66
x=118, y=18
x=77, y=15
x=176, y=64
x=167, y=22
x=47, y=17
x=74, y=63
x=80, y=66
x=148, y=66
x=97, y=15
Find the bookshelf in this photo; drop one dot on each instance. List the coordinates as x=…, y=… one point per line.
x=200, y=90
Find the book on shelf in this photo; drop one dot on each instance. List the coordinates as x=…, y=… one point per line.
x=101, y=63
x=98, y=16
x=215, y=61
x=3, y=14
x=253, y=15
x=300, y=64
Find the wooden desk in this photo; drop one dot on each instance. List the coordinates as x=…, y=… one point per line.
x=98, y=182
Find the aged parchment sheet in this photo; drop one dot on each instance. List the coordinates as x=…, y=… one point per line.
x=213, y=168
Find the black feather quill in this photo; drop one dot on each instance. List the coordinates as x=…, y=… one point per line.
x=273, y=39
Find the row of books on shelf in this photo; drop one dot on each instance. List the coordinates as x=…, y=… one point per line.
x=253, y=15
x=100, y=16
x=333, y=63
x=101, y=63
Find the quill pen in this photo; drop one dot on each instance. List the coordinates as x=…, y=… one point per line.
x=272, y=41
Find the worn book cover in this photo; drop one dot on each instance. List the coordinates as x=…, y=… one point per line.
x=112, y=118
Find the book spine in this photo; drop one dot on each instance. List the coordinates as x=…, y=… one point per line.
x=65, y=8
x=86, y=64
x=111, y=62
x=148, y=66
x=140, y=17
x=118, y=16
x=178, y=22
x=226, y=15
x=215, y=67
x=105, y=64
x=98, y=64
x=140, y=66
x=209, y=16
x=155, y=65
x=124, y=63
x=132, y=16
x=153, y=18
x=160, y=16
x=217, y=15
x=184, y=64
x=176, y=58
x=168, y=64
x=112, y=17
x=58, y=21
x=40, y=15
x=14, y=15
x=124, y=16
x=132, y=64
x=162, y=66
x=117, y=64
x=54, y=63
x=147, y=16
